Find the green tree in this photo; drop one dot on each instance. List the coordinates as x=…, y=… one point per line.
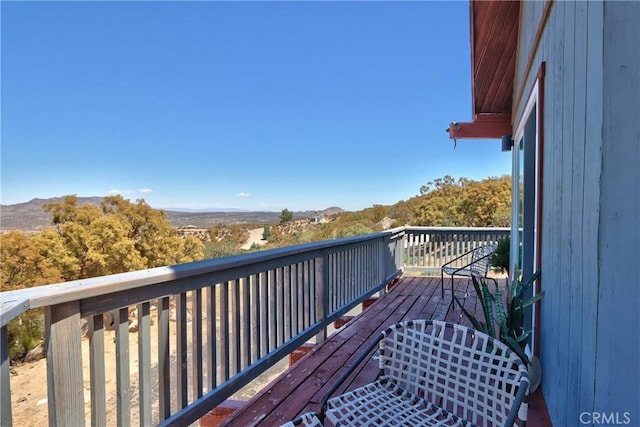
x=285, y=216
x=153, y=236
x=266, y=233
x=87, y=241
x=116, y=237
x=463, y=202
x=24, y=262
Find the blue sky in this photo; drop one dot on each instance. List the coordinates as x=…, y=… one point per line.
x=253, y=105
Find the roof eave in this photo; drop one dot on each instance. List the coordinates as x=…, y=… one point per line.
x=493, y=39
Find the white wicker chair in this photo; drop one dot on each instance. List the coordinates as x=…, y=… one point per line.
x=308, y=419
x=434, y=373
x=474, y=263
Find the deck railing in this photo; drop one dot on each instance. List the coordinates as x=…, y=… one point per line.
x=217, y=324
x=428, y=248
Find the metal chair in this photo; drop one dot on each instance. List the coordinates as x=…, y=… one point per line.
x=476, y=263
x=432, y=372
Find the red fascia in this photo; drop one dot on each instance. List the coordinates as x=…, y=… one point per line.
x=484, y=126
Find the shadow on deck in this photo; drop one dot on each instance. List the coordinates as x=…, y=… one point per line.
x=301, y=388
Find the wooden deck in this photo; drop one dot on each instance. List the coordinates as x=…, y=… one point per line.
x=301, y=388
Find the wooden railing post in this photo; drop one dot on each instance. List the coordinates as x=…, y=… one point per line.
x=64, y=365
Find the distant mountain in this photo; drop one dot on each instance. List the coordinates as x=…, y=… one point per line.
x=30, y=216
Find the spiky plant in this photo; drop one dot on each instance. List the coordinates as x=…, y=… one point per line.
x=500, y=259
x=509, y=319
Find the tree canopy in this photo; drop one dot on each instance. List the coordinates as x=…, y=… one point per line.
x=463, y=203
x=442, y=202
x=90, y=241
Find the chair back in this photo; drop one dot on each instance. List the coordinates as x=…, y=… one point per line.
x=469, y=373
x=481, y=259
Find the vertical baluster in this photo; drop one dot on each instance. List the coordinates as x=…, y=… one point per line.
x=263, y=287
x=299, y=285
x=273, y=310
x=357, y=271
x=350, y=273
x=354, y=266
x=212, y=365
x=224, y=332
x=341, y=278
x=286, y=298
x=256, y=324
x=326, y=270
x=182, y=350
x=346, y=274
x=428, y=251
x=123, y=376
x=280, y=309
x=412, y=249
x=364, y=263
x=235, y=327
x=196, y=342
x=308, y=287
x=293, y=302
x=338, y=282
x=164, y=366
x=321, y=274
x=97, y=370
x=381, y=255
x=144, y=362
x=433, y=239
x=245, y=316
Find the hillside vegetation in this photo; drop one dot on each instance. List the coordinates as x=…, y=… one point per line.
x=445, y=202
x=116, y=235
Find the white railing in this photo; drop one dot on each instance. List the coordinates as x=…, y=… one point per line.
x=233, y=318
x=428, y=248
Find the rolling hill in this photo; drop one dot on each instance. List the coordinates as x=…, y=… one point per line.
x=30, y=216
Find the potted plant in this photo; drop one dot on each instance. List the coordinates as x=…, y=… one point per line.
x=504, y=317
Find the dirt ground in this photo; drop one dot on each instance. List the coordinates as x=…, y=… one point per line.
x=255, y=237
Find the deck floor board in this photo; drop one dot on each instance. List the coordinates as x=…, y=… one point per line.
x=301, y=388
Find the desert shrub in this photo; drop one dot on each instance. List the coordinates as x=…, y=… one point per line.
x=25, y=333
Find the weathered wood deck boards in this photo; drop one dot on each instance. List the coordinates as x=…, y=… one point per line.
x=302, y=387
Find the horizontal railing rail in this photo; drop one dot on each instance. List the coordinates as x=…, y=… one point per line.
x=214, y=325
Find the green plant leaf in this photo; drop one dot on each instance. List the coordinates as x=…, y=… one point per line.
x=533, y=299
x=487, y=307
x=501, y=316
x=477, y=324
x=517, y=348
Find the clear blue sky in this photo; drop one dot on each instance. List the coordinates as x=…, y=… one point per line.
x=254, y=105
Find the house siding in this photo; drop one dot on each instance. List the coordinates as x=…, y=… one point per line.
x=617, y=386
x=590, y=235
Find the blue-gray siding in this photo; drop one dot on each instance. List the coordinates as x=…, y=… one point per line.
x=590, y=346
